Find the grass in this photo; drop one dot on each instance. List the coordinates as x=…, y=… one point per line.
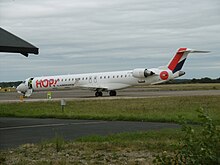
x=163, y=109
x=165, y=139
x=130, y=148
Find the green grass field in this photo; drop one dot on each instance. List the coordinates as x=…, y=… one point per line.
x=163, y=109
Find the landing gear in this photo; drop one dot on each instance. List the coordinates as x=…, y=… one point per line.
x=112, y=93
x=98, y=93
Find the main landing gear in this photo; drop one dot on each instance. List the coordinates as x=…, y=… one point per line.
x=98, y=93
x=111, y=93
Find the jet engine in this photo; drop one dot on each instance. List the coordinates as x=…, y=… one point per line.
x=141, y=73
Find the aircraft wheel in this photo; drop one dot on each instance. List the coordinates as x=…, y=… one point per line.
x=97, y=94
x=112, y=93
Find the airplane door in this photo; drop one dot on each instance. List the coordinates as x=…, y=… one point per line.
x=30, y=83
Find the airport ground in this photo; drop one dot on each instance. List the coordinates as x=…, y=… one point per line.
x=158, y=104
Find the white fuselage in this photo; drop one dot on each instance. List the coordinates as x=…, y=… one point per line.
x=103, y=81
x=110, y=81
x=99, y=82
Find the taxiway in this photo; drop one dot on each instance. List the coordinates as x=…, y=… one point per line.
x=78, y=94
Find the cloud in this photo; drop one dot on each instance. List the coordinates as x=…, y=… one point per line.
x=95, y=35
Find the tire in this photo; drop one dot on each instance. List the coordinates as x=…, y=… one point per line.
x=97, y=94
x=112, y=93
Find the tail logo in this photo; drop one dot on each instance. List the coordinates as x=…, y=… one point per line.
x=178, y=60
x=164, y=75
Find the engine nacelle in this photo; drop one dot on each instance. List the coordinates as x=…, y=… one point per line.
x=141, y=73
x=178, y=74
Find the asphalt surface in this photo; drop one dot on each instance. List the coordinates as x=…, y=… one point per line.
x=86, y=94
x=17, y=131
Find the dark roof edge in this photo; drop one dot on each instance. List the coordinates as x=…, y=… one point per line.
x=19, y=50
x=17, y=37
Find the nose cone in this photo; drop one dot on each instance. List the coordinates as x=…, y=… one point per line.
x=21, y=88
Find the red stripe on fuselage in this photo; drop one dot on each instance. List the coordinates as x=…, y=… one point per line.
x=176, y=59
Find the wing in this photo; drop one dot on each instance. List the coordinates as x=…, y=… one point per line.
x=104, y=87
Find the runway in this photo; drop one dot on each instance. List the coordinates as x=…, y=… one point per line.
x=86, y=94
x=17, y=131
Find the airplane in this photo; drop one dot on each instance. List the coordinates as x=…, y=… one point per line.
x=109, y=81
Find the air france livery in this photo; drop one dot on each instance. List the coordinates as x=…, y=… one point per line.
x=110, y=81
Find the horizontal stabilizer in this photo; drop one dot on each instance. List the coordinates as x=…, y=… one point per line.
x=194, y=51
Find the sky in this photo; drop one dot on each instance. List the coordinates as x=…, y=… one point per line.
x=83, y=36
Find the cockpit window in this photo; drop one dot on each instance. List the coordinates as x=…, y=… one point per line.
x=30, y=83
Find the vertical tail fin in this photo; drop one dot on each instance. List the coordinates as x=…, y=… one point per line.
x=179, y=59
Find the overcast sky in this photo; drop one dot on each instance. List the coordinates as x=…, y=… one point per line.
x=79, y=36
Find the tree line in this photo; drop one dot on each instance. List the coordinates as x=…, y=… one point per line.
x=194, y=81
x=9, y=84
